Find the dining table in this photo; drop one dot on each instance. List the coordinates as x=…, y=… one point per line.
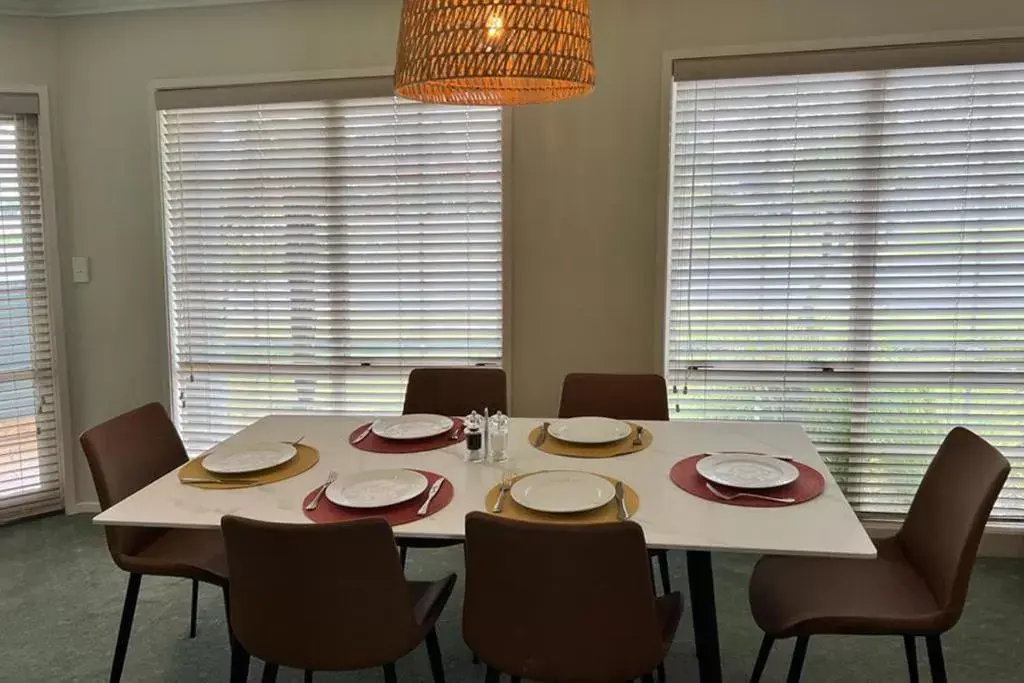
x=670, y=517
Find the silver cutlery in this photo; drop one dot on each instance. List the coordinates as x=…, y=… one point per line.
x=296, y=442
x=313, y=504
x=506, y=486
x=434, y=488
x=743, y=494
x=620, y=498
x=457, y=432
x=542, y=436
x=639, y=440
x=786, y=458
x=365, y=433
x=211, y=480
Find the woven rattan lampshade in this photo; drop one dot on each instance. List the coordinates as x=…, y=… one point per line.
x=494, y=52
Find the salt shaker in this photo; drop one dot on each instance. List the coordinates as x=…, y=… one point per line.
x=474, y=439
x=498, y=431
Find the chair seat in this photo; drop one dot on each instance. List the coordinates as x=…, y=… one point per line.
x=792, y=596
x=186, y=553
x=670, y=610
x=429, y=598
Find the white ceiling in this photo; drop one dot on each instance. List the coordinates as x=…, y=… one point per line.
x=55, y=8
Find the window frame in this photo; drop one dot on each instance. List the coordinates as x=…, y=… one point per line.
x=67, y=464
x=662, y=270
x=299, y=78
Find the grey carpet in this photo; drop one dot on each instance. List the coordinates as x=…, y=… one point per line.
x=60, y=600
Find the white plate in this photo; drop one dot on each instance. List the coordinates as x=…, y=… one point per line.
x=747, y=471
x=562, y=491
x=253, y=457
x=589, y=430
x=376, y=488
x=412, y=426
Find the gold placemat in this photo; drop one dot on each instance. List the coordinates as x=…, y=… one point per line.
x=606, y=513
x=305, y=458
x=605, y=450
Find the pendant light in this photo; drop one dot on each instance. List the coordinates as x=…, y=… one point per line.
x=494, y=52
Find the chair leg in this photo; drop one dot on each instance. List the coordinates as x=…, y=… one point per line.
x=389, y=673
x=935, y=660
x=648, y=678
x=307, y=677
x=195, y=606
x=666, y=582
x=434, y=653
x=796, y=666
x=492, y=675
x=910, y=646
x=402, y=552
x=239, y=657
x=124, y=631
x=762, y=658
x=661, y=672
x=269, y=673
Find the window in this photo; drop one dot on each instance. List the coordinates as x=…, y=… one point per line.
x=30, y=476
x=846, y=251
x=323, y=239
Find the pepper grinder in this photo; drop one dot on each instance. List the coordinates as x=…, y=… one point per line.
x=473, y=438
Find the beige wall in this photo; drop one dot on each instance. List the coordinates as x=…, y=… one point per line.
x=585, y=174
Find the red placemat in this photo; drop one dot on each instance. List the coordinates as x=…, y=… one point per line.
x=810, y=484
x=402, y=513
x=375, y=444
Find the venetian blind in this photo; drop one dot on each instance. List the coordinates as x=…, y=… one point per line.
x=318, y=250
x=30, y=478
x=847, y=252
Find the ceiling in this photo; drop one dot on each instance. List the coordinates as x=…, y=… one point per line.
x=56, y=8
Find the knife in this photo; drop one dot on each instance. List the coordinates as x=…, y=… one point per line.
x=620, y=498
x=542, y=436
x=365, y=433
x=211, y=480
x=434, y=488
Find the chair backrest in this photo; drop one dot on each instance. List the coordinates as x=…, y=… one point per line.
x=126, y=454
x=623, y=397
x=323, y=597
x=554, y=602
x=455, y=391
x=943, y=529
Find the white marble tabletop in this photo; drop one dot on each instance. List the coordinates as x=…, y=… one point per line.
x=670, y=517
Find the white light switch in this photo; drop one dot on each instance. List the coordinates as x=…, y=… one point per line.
x=80, y=268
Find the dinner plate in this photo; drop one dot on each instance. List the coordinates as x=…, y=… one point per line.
x=376, y=488
x=747, y=471
x=243, y=458
x=406, y=427
x=589, y=430
x=562, y=491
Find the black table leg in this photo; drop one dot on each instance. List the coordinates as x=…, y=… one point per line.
x=705, y=621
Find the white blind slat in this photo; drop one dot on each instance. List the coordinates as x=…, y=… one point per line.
x=318, y=251
x=29, y=456
x=846, y=251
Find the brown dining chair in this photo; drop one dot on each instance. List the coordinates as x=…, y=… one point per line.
x=622, y=397
x=327, y=597
x=453, y=392
x=561, y=603
x=126, y=454
x=915, y=588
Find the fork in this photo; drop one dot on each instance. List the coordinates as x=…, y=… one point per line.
x=639, y=440
x=743, y=494
x=312, y=505
x=506, y=486
x=542, y=436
